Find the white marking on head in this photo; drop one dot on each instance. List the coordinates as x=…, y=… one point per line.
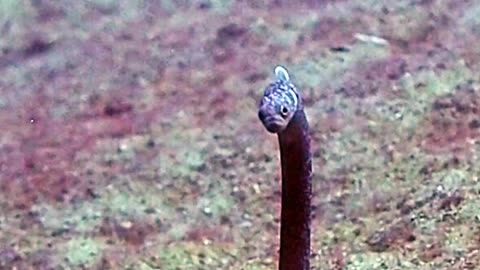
x=295, y=100
x=281, y=74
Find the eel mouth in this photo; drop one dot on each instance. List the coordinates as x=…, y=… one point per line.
x=273, y=123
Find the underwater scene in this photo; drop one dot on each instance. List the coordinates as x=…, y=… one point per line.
x=157, y=134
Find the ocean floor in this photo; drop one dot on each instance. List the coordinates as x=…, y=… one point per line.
x=130, y=138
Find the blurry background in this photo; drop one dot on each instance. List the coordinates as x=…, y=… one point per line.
x=130, y=140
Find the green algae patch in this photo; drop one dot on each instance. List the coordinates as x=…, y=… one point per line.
x=404, y=22
x=435, y=84
x=120, y=203
x=327, y=69
x=84, y=252
x=419, y=90
x=257, y=266
x=451, y=180
x=178, y=231
x=351, y=149
x=221, y=6
x=192, y=256
x=87, y=216
x=216, y=203
x=284, y=34
x=460, y=238
x=192, y=160
x=81, y=218
x=13, y=12
x=425, y=85
x=184, y=149
x=470, y=17
x=470, y=210
x=377, y=261
x=343, y=231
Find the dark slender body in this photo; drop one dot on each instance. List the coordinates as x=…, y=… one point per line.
x=296, y=194
x=281, y=112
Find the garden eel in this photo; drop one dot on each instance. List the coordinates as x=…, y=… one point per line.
x=281, y=112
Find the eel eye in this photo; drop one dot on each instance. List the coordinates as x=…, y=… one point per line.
x=284, y=111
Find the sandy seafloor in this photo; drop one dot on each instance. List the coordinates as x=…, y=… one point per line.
x=130, y=139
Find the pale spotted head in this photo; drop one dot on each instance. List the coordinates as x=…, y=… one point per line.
x=279, y=103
